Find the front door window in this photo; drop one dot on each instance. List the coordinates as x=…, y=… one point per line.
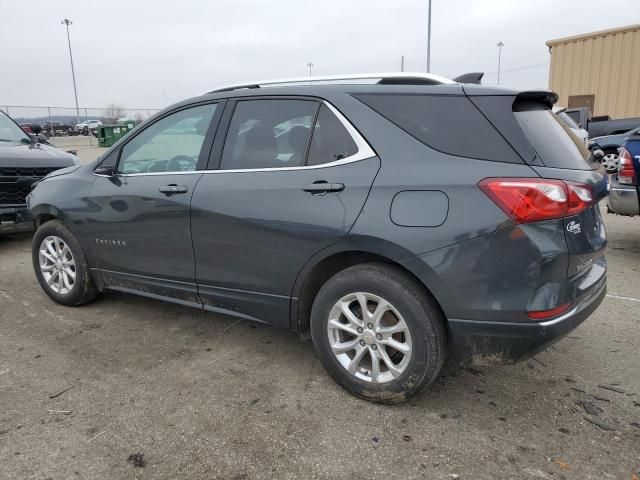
x=172, y=144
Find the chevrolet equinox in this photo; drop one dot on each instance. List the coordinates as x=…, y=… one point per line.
x=395, y=219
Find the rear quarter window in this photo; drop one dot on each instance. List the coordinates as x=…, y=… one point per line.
x=447, y=123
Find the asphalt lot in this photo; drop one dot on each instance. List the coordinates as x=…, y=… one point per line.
x=204, y=396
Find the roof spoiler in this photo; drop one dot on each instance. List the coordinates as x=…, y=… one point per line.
x=528, y=100
x=472, y=77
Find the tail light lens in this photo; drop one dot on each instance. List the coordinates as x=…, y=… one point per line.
x=547, y=314
x=626, y=172
x=528, y=200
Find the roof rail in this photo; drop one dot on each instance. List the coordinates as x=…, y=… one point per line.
x=399, y=78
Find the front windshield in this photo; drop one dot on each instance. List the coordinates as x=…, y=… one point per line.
x=9, y=131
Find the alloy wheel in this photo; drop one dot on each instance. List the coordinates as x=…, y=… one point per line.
x=610, y=162
x=369, y=337
x=57, y=265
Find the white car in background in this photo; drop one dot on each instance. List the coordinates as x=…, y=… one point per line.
x=581, y=133
x=87, y=127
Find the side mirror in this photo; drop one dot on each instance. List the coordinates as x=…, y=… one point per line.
x=35, y=128
x=105, y=171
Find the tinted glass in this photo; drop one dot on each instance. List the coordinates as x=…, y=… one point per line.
x=171, y=144
x=268, y=134
x=575, y=116
x=555, y=143
x=564, y=116
x=447, y=123
x=330, y=140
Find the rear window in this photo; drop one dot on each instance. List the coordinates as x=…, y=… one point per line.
x=450, y=124
x=564, y=116
x=556, y=145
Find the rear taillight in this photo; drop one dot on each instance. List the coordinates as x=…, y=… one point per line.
x=580, y=198
x=528, y=200
x=547, y=314
x=626, y=172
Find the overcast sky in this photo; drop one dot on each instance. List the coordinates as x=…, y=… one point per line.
x=152, y=53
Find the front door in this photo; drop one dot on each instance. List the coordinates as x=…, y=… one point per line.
x=141, y=226
x=291, y=181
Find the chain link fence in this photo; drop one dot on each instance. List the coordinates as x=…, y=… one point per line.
x=65, y=119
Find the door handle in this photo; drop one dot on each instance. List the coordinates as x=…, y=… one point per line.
x=172, y=189
x=323, y=187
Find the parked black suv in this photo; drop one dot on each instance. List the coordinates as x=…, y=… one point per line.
x=392, y=218
x=23, y=161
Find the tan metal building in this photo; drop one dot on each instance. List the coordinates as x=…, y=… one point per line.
x=599, y=70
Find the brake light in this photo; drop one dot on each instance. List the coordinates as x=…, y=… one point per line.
x=626, y=172
x=580, y=198
x=528, y=200
x=546, y=314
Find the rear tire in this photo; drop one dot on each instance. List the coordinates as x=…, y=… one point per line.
x=402, y=332
x=60, y=265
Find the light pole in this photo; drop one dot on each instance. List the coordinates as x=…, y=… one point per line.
x=310, y=65
x=66, y=22
x=429, y=41
x=499, y=45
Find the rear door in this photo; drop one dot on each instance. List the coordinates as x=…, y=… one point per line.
x=288, y=179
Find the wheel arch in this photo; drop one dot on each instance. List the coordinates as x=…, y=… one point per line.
x=45, y=212
x=331, y=261
x=610, y=147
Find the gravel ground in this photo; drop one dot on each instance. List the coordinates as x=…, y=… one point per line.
x=131, y=388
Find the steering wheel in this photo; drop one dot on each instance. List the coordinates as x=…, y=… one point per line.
x=177, y=164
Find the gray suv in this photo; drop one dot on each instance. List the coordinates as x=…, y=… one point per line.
x=393, y=219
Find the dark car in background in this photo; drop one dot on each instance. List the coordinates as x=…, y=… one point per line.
x=624, y=198
x=393, y=219
x=610, y=144
x=57, y=129
x=601, y=125
x=23, y=161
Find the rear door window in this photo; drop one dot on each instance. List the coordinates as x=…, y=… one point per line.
x=330, y=141
x=268, y=134
x=555, y=143
x=448, y=123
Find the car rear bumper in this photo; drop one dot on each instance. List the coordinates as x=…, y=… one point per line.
x=623, y=199
x=15, y=219
x=481, y=342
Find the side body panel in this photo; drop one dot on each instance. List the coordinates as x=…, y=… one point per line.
x=141, y=238
x=253, y=231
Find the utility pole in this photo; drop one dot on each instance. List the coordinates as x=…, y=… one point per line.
x=429, y=41
x=499, y=45
x=310, y=65
x=66, y=22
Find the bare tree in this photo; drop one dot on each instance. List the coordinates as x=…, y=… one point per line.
x=113, y=112
x=139, y=118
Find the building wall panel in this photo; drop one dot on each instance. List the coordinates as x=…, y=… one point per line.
x=605, y=64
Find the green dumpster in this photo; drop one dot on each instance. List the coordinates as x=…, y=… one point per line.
x=105, y=135
x=110, y=134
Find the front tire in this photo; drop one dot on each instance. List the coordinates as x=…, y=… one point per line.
x=378, y=334
x=60, y=265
